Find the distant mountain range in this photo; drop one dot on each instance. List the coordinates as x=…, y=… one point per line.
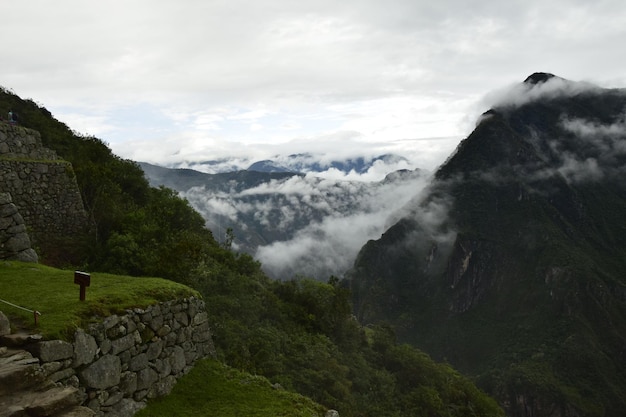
x=293, y=163
x=511, y=265
x=295, y=223
x=307, y=162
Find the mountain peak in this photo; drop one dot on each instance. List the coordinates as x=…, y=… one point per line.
x=538, y=78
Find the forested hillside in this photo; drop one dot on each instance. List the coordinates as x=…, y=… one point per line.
x=300, y=334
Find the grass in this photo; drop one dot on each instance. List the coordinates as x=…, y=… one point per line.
x=213, y=389
x=53, y=293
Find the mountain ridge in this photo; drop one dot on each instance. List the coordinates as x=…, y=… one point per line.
x=512, y=264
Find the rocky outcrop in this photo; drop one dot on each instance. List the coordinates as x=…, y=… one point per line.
x=14, y=240
x=42, y=185
x=118, y=364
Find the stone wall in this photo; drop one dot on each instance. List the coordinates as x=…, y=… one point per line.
x=14, y=240
x=42, y=185
x=125, y=360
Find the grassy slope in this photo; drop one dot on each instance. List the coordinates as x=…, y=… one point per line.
x=213, y=389
x=53, y=293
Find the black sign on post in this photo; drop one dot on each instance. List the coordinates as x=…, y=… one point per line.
x=83, y=279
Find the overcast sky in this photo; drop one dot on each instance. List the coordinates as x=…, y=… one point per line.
x=167, y=81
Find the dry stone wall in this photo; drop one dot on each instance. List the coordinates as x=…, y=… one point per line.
x=42, y=185
x=121, y=362
x=14, y=240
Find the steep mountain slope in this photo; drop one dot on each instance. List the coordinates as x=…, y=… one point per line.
x=512, y=265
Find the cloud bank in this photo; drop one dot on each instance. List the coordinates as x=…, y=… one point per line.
x=321, y=222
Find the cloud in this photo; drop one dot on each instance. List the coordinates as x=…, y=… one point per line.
x=324, y=221
x=323, y=248
x=518, y=94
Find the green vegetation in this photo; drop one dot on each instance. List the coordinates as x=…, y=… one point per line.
x=299, y=334
x=52, y=292
x=213, y=389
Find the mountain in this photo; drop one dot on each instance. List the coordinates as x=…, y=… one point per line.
x=295, y=224
x=306, y=162
x=510, y=265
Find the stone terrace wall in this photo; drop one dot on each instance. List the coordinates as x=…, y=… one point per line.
x=14, y=240
x=125, y=360
x=42, y=185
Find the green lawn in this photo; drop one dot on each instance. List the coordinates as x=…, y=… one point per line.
x=53, y=293
x=213, y=389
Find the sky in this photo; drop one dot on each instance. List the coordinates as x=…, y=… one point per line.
x=172, y=82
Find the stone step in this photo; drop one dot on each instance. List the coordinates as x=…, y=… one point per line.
x=19, y=376
x=19, y=339
x=52, y=402
x=8, y=356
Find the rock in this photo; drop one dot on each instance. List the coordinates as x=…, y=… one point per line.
x=155, y=349
x=145, y=378
x=54, y=400
x=85, y=348
x=103, y=373
x=52, y=350
x=127, y=407
x=62, y=375
x=163, y=387
x=5, y=325
x=124, y=342
x=128, y=383
x=200, y=318
x=139, y=362
x=177, y=360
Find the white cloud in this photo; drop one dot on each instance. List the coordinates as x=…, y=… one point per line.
x=176, y=82
x=519, y=94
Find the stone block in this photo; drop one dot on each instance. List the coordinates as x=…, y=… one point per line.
x=85, y=348
x=103, y=373
x=127, y=407
x=163, y=387
x=139, y=362
x=5, y=325
x=177, y=360
x=154, y=349
x=53, y=350
x=124, y=343
x=200, y=318
x=145, y=378
x=128, y=383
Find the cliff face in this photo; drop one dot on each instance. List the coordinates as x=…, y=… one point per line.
x=511, y=267
x=41, y=185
